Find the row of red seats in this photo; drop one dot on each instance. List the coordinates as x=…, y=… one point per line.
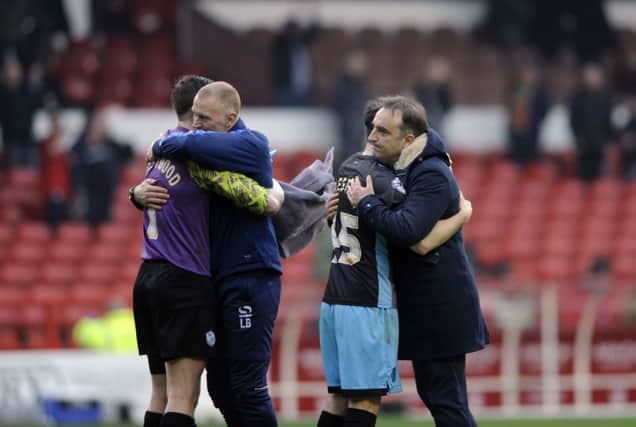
x=43, y=317
x=116, y=73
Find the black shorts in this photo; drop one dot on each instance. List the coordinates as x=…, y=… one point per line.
x=174, y=314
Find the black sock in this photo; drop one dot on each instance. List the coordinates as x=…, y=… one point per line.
x=330, y=420
x=359, y=418
x=175, y=419
x=152, y=419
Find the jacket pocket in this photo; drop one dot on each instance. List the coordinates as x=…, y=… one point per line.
x=431, y=258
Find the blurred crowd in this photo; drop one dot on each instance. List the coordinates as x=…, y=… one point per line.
x=600, y=94
x=76, y=183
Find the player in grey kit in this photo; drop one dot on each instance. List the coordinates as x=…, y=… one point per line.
x=360, y=292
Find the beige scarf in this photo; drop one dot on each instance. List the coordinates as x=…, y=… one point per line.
x=411, y=152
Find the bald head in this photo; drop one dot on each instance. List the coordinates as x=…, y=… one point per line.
x=216, y=107
x=224, y=94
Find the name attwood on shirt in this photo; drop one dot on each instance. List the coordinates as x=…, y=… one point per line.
x=168, y=170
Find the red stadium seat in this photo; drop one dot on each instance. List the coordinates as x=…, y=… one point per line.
x=128, y=271
x=6, y=233
x=62, y=251
x=624, y=268
x=24, y=178
x=88, y=294
x=32, y=320
x=54, y=301
x=542, y=171
x=78, y=89
x=113, y=233
x=519, y=246
x=490, y=254
x=121, y=57
x=114, y=90
x=9, y=339
x=8, y=316
x=561, y=227
x=121, y=293
x=95, y=273
x=607, y=188
x=58, y=274
x=82, y=58
x=133, y=174
x=18, y=275
x=74, y=233
x=505, y=171
x=625, y=246
x=36, y=232
x=45, y=295
x=125, y=213
x=594, y=245
x=559, y=245
x=106, y=252
x=523, y=270
x=28, y=252
x=23, y=186
x=152, y=88
x=556, y=269
x=11, y=295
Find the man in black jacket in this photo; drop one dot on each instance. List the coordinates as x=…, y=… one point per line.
x=438, y=305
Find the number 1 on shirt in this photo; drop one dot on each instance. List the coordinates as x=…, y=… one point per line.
x=152, y=232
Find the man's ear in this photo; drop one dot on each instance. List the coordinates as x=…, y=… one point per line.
x=408, y=139
x=231, y=119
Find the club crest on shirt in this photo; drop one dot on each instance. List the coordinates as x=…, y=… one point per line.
x=210, y=338
x=397, y=185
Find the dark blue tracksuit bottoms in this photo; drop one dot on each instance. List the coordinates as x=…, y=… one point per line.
x=237, y=374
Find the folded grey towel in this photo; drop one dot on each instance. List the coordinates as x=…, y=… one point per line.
x=303, y=214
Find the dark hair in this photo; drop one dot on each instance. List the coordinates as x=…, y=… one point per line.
x=183, y=92
x=413, y=113
x=370, y=110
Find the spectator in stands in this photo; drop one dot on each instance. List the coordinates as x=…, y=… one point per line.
x=597, y=278
x=624, y=77
x=433, y=90
x=112, y=17
x=349, y=98
x=292, y=64
x=30, y=28
x=508, y=22
x=590, y=111
x=56, y=177
x=114, y=331
x=20, y=98
x=527, y=109
x=630, y=308
x=96, y=161
x=562, y=24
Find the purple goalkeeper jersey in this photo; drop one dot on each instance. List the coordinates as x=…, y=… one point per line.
x=180, y=232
